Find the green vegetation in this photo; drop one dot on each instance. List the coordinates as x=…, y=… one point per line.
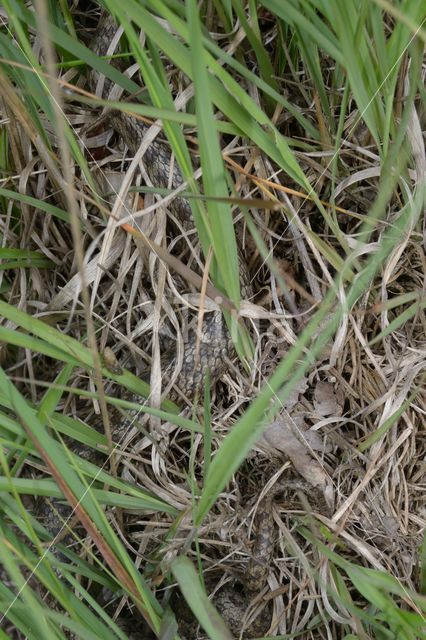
x=305, y=118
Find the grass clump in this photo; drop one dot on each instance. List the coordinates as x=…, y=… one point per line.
x=297, y=127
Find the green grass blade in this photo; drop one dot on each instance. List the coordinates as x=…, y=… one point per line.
x=199, y=603
x=214, y=178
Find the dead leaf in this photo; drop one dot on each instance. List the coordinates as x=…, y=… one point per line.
x=326, y=401
x=280, y=436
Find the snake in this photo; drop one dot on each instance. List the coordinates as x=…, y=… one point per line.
x=210, y=348
x=205, y=351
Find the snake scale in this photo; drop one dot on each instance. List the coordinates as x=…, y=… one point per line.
x=210, y=352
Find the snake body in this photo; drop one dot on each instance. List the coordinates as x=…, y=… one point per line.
x=209, y=353
x=206, y=351
x=214, y=345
